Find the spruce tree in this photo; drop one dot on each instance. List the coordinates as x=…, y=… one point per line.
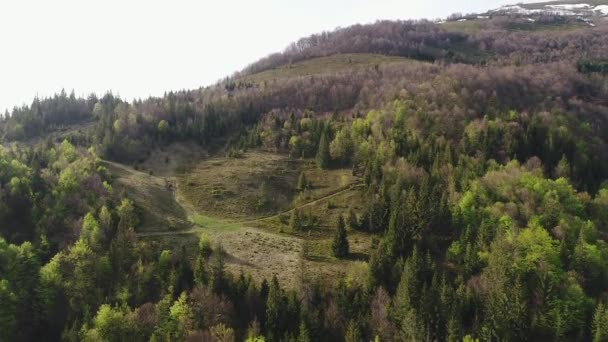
x=599, y=325
x=340, y=244
x=201, y=277
x=353, y=334
x=295, y=220
x=218, y=270
x=323, y=152
x=302, y=182
x=303, y=336
x=274, y=311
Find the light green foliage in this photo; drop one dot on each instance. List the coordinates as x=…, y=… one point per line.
x=256, y=339
x=341, y=148
x=180, y=318
x=204, y=246
x=163, y=127
x=126, y=214
x=91, y=233
x=222, y=333
x=537, y=252
x=80, y=278
x=109, y=324
x=105, y=220
x=295, y=146
x=352, y=332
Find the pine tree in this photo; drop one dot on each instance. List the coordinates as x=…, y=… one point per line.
x=201, y=277
x=340, y=244
x=303, y=336
x=600, y=324
x=323, y=157
x=7, y=310
x=274, y=311
x=353, y=334
x=353, y=222
x=217, y=270
x=295, y=220
x=302, y=182
x=563, y=168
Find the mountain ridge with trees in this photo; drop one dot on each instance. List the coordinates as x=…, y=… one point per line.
x=482, y=154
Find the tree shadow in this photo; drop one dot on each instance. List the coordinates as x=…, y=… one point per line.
x=357, y=256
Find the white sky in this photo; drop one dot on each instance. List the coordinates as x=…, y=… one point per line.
x=138, y=48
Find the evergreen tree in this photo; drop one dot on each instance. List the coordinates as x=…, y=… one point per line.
x=323, y=157
x=353, y=222
x=295, y=220
x=303, y=335
x=340, y=243
x=302, y=182
x=563, y=168
x=185, y=274
x=274, y=311
x=7, y=311
x=201, y=277
x=353, y=334
x=218, y=278
x=600, y=324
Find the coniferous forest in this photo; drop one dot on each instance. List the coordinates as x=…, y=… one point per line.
x=478, y=154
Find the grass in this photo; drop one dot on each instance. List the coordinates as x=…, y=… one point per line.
x=258, y=184
x=469, y=26
x=152, y=195
x=213, y=196
x=169, y=160
x=322, y=65
x=541, y=27
x=209, y=223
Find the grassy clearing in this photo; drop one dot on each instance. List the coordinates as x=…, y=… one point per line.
x=540, y=27
x=153, y=195
x=213, y=224
x=473, y=26
x=256, y=185
x=469, y=26
x=256, y=240
x=331, y=64
x=170, y=160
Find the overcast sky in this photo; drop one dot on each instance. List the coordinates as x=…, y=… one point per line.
x=138, y=48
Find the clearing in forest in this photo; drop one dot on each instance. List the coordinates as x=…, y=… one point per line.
x=245, y=204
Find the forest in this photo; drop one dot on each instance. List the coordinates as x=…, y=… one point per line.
x=481, y=162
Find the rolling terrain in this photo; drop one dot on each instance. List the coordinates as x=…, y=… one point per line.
x=394, y=181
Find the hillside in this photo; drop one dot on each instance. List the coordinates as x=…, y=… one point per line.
x=401, y=180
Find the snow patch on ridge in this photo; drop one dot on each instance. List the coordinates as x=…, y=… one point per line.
x=602, y=8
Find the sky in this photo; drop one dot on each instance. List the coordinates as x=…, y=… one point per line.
x=139, y=48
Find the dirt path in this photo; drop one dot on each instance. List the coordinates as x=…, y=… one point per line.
x=190, y=209
x=199, y=229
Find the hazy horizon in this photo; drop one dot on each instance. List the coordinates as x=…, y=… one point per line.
x=145, y=48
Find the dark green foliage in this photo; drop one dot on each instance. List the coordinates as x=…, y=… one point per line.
x=339, y=245
x=323, y=157
x=484, y=189
x=303, y=183
x=587, y=66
